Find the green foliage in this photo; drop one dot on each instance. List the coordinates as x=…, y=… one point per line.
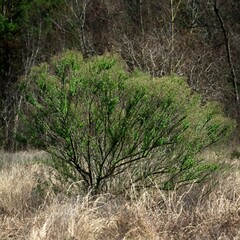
x=20, y=21
x=101, y=123
x=15, y=16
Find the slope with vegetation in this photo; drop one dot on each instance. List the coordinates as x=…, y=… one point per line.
x=196, y=39
x=132, y=108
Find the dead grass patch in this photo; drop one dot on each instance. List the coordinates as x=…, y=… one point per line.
x=30, y=209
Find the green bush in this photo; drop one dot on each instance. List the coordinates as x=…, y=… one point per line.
x=102, y=123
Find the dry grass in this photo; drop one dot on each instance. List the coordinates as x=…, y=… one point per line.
x=29, y=209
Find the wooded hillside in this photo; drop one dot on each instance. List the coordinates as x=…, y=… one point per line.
x=192, y=38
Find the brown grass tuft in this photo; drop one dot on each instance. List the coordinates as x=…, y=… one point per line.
x=29, y=209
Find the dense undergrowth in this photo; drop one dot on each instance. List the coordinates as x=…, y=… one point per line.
x=31, y=207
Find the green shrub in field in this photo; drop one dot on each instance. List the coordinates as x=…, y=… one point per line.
x=102, y=123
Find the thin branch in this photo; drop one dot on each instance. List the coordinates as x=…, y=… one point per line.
x=228, y=50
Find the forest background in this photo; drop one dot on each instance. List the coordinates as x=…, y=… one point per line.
x=192, y=38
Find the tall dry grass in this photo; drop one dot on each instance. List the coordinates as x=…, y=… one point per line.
x=31, y=209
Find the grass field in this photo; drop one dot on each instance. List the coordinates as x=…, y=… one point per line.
x=34, y=205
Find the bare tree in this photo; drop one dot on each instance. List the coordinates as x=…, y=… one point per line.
x=228, y=50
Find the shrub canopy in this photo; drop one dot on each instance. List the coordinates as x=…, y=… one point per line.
x=101, y=123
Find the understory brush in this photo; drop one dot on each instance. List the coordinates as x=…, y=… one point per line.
x=30, y=208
